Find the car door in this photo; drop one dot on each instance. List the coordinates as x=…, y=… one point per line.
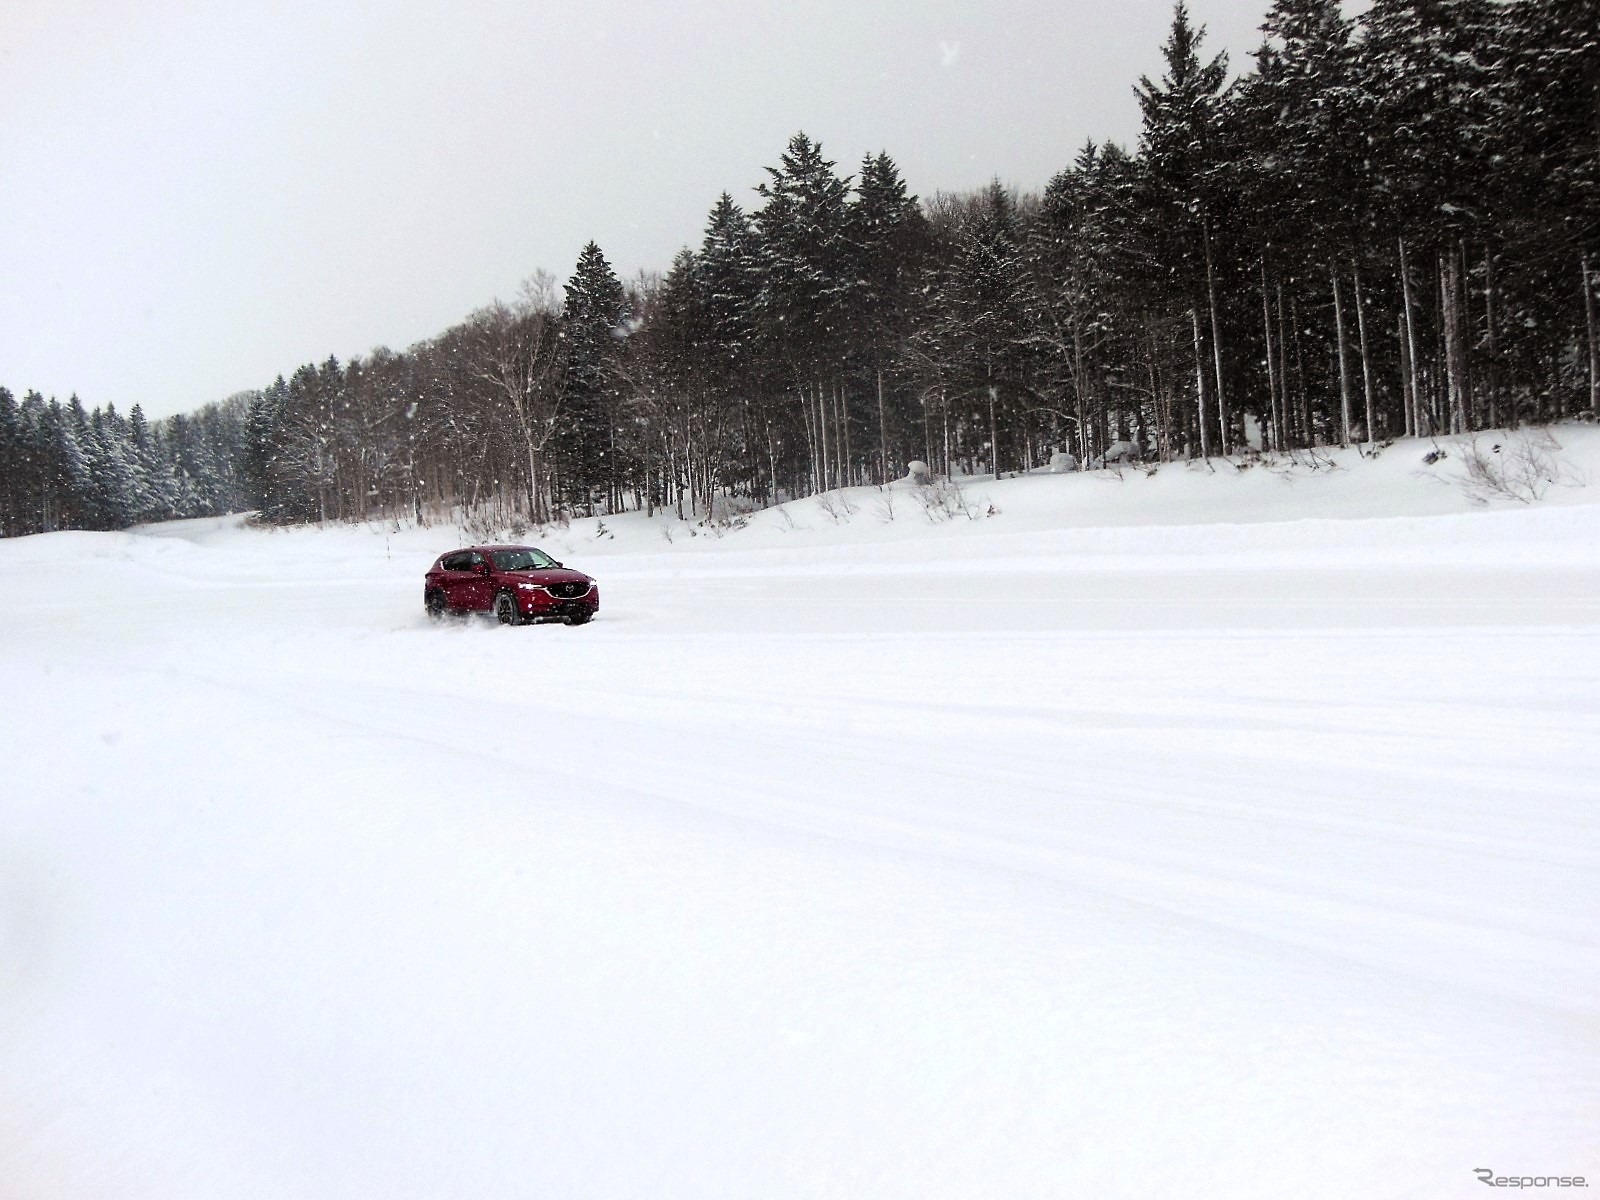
x=455, y=580
x=476, y=590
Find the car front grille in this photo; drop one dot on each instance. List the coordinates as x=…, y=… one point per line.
x=567, y=591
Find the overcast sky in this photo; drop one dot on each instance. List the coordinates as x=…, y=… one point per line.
x=196, y=195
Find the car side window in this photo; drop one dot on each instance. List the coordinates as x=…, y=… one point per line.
x=472, y=561
x=455, y=562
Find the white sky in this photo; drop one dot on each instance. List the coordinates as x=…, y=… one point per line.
x=196, y=195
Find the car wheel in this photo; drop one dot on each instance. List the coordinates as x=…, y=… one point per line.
x=505, y=609
x=435, y=605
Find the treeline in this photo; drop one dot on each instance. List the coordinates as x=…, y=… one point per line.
x=62, y=467
x=1388, y=226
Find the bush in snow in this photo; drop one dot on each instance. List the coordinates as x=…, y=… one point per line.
x=836, y=507
x=1062, y=463
x=942, y=501
x=918, y=474
x=1523, y=467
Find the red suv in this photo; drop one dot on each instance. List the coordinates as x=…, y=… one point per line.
x=519, y=584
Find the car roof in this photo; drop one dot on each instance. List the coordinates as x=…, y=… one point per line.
x=485, y=550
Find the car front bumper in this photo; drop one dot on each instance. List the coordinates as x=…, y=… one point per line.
x=541, y=606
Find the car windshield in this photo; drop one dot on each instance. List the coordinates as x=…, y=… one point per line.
x=522, y=560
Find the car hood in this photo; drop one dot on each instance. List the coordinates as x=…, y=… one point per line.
x=550, y=575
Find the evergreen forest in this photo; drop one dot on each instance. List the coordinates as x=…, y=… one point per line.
x=1385, y=226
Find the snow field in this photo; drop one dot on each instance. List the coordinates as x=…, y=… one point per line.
x=1126, y=843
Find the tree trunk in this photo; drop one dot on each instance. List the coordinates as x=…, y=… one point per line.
x=927, y=434
x=541, y=487
x=1283, y=372
x=614, y=500
x=1593, y=323
x=1454, y=356
x=1200, y=384
x=846, y=458
x=1408, y=399
x=1493, y=338
x=1344, y=358
x=1300, y=373
x=772, y=453
x=1080, y=389
x=416, y=481
x=883, y=435
x=1542, y=413
x=1272, y=374
x=944, y=410
x=1366, y=357
x=1216, y=342
x=1469, y=390
x=811, y=438
x=823, y=435
x=836, y=427
x=994, y=435
x=649, y=488
x=1163, y=407
x=1414, y=413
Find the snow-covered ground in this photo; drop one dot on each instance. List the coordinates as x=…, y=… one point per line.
x=1212, y=833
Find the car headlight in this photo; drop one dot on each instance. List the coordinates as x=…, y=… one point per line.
x=530, y=587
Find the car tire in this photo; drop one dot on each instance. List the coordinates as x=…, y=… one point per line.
x=434, y=602
x=505, y=609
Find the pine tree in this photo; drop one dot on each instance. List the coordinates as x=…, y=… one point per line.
x=263, y=443
x=805, y=247
x=670, y=373
x=807, y=275
x=1077, y=254
x=890, y=244
x=116, y=487
x=593, y=324
x=152, y=498
x=984, y=305
x=1178, y=147
x=1301, y=106
x=1548, y=140
x=1425, y=67
x=728, y=274
x=37, y=453
x=79, y=508
x=12, y=466
x=1304, y=119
